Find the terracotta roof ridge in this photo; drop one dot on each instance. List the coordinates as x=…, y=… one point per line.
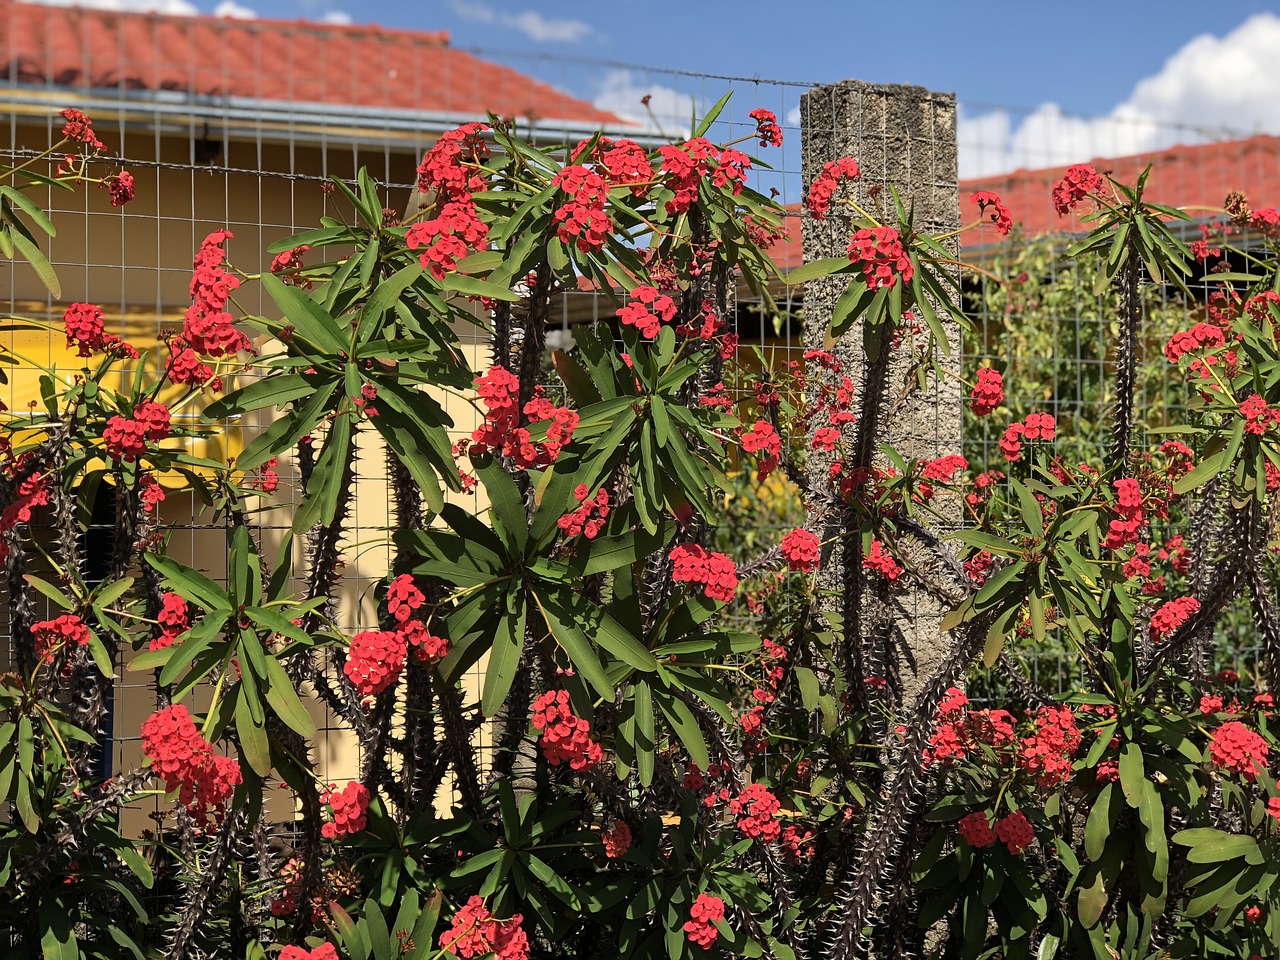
x=440, y=38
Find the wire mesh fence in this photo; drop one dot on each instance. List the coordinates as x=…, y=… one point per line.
x=246, y=139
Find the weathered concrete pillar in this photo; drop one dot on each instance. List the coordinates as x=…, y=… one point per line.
x=905, y=137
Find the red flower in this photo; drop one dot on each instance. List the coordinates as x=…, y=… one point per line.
x=1079, y=182
x=1236, y=748
x=325, y=951
x=1015, y=832
x=350, y=809
x=976, y=830
x=648, y=310
x=767, y=128
x=762, y=438
x=374, y=660
x=120, y=187
x=999, y=214
x=566, y=738
x=85, y=327
x=988, y=391
x=756, y=809
x=880, y=256
x=1172, y=615
x=616, y=840
x=800, y=548
x=186, y=762
x=701, y=927
x=475, y=932
x=448, y=169
x=714, y=571
x=403, y=597
x=883, y=563
x=79, y=128
x=67, y=629
x=427, y=648
x=822, y=188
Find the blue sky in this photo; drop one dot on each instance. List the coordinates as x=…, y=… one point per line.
x=1040, y=84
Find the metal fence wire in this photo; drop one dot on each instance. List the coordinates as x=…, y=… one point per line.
x=254, y=161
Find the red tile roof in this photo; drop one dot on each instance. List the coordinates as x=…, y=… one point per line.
x=1191, y=177
x=272, y=60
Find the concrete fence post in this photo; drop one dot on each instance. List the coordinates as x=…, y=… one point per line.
x=904, y=137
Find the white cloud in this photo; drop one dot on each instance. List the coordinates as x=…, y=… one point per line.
x=529, y=22
x=338, y=18
x=233, y=10
x=669, y=111
x=1212, y=88
x=179, y=8
x=792, y=119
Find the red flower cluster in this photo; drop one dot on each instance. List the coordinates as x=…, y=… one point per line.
x=944, y=469
x=350, y=809
x=499, y=392
x=587, y=519
x=288, y=263
x=648, y=309
x=756, y=809
x=403, y=597
x=1080, y=181
x=763, y=439
x=798, y=844
x=616, y=840
x=701, y=927
x=126, y=438
x=692, y=563
x=975, y=829
x=881, y=562
x=1235, y=747
x=448, y=237
x=1203, y=336
x=822, y=188
x=582, y=220
x=1257, y=415
x=800, y=549
x=988, y=391
x=374, y=660
x=265, y=478
x=32, y=492
x=880, y=256
x=444, y=168
x=475, y=932
x=1046, y=754
x=85, y=327
x=67, y=629
x=623, y=162
x=426, y=646
x=566, y=738
x=1171, y=615
x=150, y=493
x=80, y=129
x=325, y=951
x=1015, y=832
x=120, y=187
x=684, y=165
x=1037, y=426
x=173, y=620
x=1266, y=220
x=208, y=329
x=999, y=214
x=187, y=762
x=767, y=128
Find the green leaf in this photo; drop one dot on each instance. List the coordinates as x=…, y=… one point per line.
x=505, y=502
x=567, y=623
x=475, y=287
x=252, y=734
x=1202, y=473
x=1225, y=847
x=283, y=699
x=309, y=319
x=646, y=745
x=320, y=505
x=504, y=657
x=1098, y=826
x=39, y=263
x=686, y=727
x=28, y=206
x=57, y=937
x=816, y=269
x=1132, y=773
